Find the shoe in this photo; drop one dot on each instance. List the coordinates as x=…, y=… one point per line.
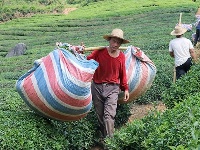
x=101, y=141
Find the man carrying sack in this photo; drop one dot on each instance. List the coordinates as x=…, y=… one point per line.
x=108, y=79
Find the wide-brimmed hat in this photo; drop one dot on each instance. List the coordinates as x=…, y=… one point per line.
x=179, y=30
x=117, y=33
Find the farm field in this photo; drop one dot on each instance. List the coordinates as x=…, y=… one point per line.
x=147, y=24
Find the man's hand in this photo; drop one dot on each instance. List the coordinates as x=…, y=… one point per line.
x=126, y=95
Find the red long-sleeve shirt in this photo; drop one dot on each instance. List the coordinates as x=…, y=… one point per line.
x=110, y=69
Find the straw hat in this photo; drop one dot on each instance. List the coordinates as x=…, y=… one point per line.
x=179, y=30
x=118, y=33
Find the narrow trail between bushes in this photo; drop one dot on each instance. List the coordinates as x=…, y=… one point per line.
x=139, y=111
x=68, y=10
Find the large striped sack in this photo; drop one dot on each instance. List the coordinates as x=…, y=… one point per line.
x=141, y=72
x=186, y=26
x=58, y=86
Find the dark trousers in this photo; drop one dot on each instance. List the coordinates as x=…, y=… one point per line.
x=184, y=68
x=105, y=97
x=197, y=36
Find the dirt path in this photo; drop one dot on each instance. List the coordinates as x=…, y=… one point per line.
x=68, y=10
x=138, y=112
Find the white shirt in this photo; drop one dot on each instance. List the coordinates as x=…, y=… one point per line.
x=181, y=48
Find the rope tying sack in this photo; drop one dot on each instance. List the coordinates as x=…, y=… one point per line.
x=58, y=86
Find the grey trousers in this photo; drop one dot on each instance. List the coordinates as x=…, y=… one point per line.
x=105, y=98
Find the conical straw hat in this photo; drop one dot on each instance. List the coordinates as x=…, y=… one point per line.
x=118, y=33
x=178, y=30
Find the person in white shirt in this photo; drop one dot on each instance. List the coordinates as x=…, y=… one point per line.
x=182, y=50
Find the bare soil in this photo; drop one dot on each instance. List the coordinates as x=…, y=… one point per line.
x=68, y=10
x=139, y=111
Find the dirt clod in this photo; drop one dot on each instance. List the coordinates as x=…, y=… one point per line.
x=68, y=10
x=139, y=111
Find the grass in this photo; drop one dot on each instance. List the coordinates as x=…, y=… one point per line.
x=117, y=8
x=147, y=24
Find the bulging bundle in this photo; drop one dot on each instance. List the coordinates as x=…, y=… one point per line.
x=141, y=72
x=59, y=86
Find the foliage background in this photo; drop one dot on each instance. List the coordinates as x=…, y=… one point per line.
x=40, y=24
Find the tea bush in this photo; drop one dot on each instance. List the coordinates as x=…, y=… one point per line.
x=146, y=23
x=186, y=86
x=175, y=128
x=11, y=9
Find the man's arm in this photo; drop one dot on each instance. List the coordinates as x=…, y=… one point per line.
x=193, y=54
x=126, y=95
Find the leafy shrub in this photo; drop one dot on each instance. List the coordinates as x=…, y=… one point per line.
x=11, y=75
x=129, y=137
x=23, y=128
x=20, y=127
x=11, y=9
x=123, y=114
x=81, y=1
x=177, y=127
x=186, y=86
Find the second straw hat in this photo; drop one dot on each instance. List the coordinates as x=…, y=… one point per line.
x=178, y=30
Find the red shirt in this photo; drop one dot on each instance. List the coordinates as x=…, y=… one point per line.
x=110, y=69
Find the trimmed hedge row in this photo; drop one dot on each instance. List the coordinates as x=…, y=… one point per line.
x=183, y=88
x=176, y=128
x=21, y=127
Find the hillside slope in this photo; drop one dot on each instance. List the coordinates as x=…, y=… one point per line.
x=147, y=24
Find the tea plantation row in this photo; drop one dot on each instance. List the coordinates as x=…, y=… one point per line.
x=178, y=128
x=149, y=30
